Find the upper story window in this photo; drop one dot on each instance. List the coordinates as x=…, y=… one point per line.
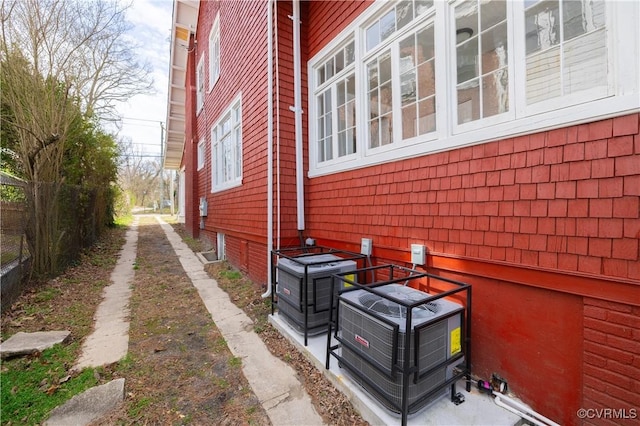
x=201, y=150
x=482, y=49
x=566, y=48
x=394, y=20
x=335, y=105
x=226, y=148
x=502, y=67
x=200, y=84
x=214, y=53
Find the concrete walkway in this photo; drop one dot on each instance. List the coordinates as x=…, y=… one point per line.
x=282, y=395
x=109, y=341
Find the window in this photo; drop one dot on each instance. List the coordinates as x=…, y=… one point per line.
x=201, y=148
x=566, y=48
x=482, y=72
x=226, y=148
x=335, y=105
x=214, y=53
x=503, y=68
x=200, y=85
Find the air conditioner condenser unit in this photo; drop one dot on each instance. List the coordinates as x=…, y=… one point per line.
x=311, y=274
x=372, y=329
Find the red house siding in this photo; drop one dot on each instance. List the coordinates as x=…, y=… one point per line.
x=546, y=227
x=555, y=201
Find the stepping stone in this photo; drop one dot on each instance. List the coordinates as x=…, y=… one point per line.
x=27, y=343
x=88, y=406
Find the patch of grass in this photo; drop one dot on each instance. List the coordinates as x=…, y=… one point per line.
x=46, y=294
x=235, y=362
x=219, y=345
x=137, y=407
x=123, y=221
x=34, y=385
x=231, y=274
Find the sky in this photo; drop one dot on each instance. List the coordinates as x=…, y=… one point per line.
x=143, y=114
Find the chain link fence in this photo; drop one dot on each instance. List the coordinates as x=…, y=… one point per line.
x=14, y=252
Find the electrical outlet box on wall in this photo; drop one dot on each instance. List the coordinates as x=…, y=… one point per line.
x=366, y=246
x=418, y=254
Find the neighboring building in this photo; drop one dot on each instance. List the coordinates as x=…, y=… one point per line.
x=504, y=136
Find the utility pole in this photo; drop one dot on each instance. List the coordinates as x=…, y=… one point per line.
x=161, y=165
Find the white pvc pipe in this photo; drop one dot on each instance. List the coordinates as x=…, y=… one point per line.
x=522, y=410
x=297, y=108
x=269, y=143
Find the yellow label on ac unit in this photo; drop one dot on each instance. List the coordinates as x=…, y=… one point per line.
x=350, y=277
x=456, y=344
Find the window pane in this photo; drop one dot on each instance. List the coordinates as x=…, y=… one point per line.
x=585, y=62
x=409, y=122
x=495, y=93
x=373, y=103
x=494, y=48
x=342, y=118
x=328, y=69
x=580, y=17
x=339, y=58
x=386, y=129
x=492, y=13
x=422, y=6
x=351, y=87
x=351, y=141
x=426, y=80
x=374, y=135
x=372, y=72
x=350, y=53
x=385, y=68
x=543, y=75
x=468, y=101
x=327, y=101
x=542, y=26
x=351, y=113
x=386, y=98
x=321, y=78
x=427, y=116
x=373, y=35
x=467, y=60
x=404, y=13
x=407, y=53
x=387, y=25
x=408, y=87
x=342, y=143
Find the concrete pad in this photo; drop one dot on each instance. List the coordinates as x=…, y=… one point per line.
x=88, y=406
x=478, y=409
x=27, y=343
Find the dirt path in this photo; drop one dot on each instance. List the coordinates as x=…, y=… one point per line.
x=179, y=369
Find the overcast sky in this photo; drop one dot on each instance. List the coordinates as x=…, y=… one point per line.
x=152, y=29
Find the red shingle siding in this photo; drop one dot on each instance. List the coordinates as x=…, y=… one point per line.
x=239, y=211
x=328, y=18
x=434, y=190
x=611, y=358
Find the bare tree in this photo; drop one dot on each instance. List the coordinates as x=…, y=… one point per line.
x=138, y=176
x=61, y=61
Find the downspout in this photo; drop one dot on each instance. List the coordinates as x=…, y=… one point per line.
x=269, y=143
x=297, y=109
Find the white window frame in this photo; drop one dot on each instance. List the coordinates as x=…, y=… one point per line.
x=200, y=85
x=214, y=53
x=233, y=114
x=331, y=85
x=201, y=154
x=622, y=97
